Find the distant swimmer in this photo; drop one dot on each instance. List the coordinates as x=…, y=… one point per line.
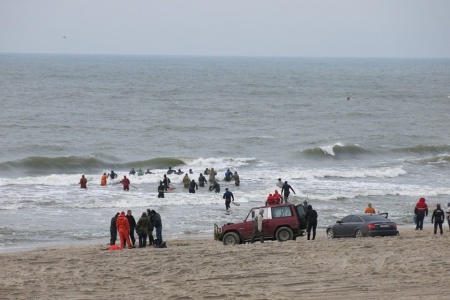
x=193, y=186
x=348, y=98
x=126, y=183
x=148, y=172
x=140, y=172
x=206, y=172
x=112, y=175
x=132, y=171
x=190, y=171
x=170, y=171
x=179, y=172
x=83, y=182
x=104, y=179
x=286, y=187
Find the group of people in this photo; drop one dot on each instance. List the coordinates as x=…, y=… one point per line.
x=125, y=225
x=437, y=218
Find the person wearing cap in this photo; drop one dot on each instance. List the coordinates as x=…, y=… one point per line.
x=285, y=191
x=123, y=227
x=369, y=209
x=421, y=210
x=228, y=196
x=258, y=227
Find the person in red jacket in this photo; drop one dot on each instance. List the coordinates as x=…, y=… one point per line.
x=421, y=210
x=278, y=197
x=126, y=183
x=123, y=227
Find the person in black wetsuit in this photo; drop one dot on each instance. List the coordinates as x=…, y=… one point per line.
x=438, y=218
x=170, y=171
x=113, y=230
x=166, y=182
x=285, y=191
x=202, y=180
x=112, y=175
x=311, y=218
x=161, y=189
x=193, y=186
x=132, y=223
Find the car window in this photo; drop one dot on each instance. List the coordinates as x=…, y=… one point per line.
x=254, y=212
x=301, y=211
x=356, y=219
x=281, y=211
x=346, y=219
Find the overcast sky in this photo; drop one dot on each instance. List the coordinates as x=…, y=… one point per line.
x=307, y=28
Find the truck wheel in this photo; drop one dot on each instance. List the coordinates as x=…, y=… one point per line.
x=231, y=238
x=284, y=234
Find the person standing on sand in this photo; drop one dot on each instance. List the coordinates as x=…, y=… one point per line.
x=83, y=182
x=228, y=196
x=156, y=220
x=258, y=227
x=142, y=229
x=123, y=227
x=438, y=218
x=311, y=218
x=104, y=179
x=126, y=183
x=286, y=187
x=447, y=212
x=151, y=239
x=421, y=210
x=113, y=230
x=132, y=223
x=369, y=209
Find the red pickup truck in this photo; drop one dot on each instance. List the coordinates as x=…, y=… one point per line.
x=281, y=222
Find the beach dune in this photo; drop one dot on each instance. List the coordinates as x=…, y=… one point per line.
x=414, y=265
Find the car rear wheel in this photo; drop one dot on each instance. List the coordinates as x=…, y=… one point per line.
x=330, y=234
x=358, y=234
x=284, y=234
x=231, y=238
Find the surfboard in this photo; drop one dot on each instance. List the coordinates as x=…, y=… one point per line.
x=235, y=203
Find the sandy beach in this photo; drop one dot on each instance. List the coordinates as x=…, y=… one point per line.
x=414, y=265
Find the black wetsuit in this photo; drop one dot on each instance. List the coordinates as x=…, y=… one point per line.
x=311, y=217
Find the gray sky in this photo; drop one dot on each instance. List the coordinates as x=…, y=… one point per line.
x=311, y=28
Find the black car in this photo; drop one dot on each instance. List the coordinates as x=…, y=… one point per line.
x=362, y=225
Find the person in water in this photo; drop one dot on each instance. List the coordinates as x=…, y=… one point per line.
x=369, y=209
x=186, y=181
x=286, y=187
x=83, y=182
x=438, y=218
x=421, y=210
x=215, y=186
x=212, y=176
x=228, y=175
x=104, y=179
x=148, y=172
x=126, y=183
x=311, y=218
x=179, y=172
x=193, y=186
x=228, y=196
x=112, y=175
x=170, y=171
x=190, y=171
x=161, y=189
x=202, y=180
x=280, y=183
x=206, y=172
x=132, y=172
x=140, y=172
x=236, y=179
x=166, y=182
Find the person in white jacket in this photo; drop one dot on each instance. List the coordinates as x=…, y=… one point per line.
x=257, y=227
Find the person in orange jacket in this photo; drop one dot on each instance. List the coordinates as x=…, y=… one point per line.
x=83, y=182
x=123, y=227
x=126, y=183
x=104, y=179
x=369, y=209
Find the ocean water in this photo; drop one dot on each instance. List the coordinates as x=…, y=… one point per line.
x=266, y=118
